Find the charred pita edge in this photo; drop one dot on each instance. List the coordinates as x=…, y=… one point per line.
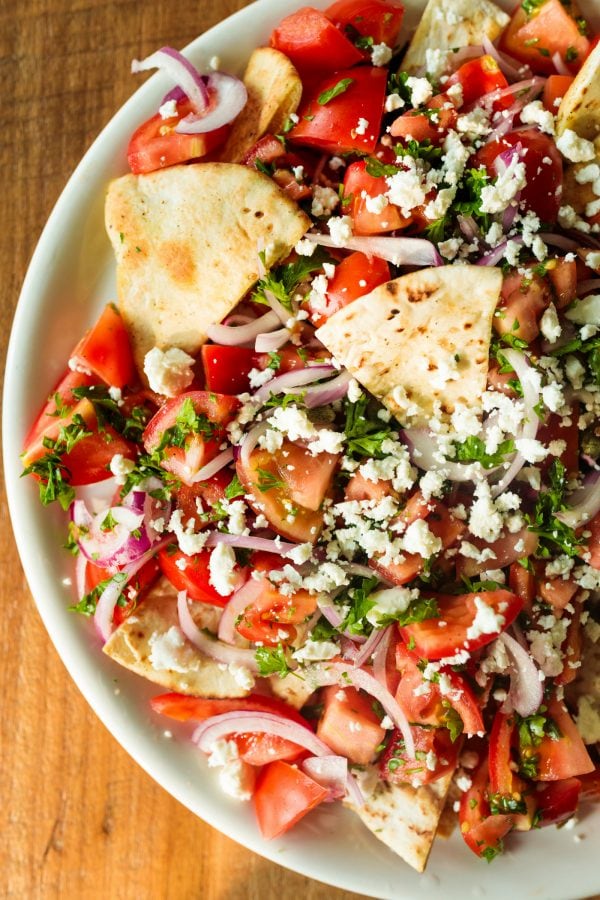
x=452, y=24
x=580, y=107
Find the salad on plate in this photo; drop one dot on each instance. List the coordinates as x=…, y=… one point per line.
x=331, y=461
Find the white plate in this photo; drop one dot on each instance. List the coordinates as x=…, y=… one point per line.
x=70, y=277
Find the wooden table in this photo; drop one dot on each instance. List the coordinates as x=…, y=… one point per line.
x=77, y=817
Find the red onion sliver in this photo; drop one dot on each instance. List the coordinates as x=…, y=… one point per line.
x=214, y=466
x=330, y=772
x=521, y=366
x=400, y=251
x=228, y=95
x=212, y=647
x=237, y=335
x=369, y=647
x=245, y=722
x=282, y=313
x=250, y=542
x=285, y=384
x=237, y=603
x=324, y=394
x=559, y=64
x=469, y=227
x=509, y=66
x=494, y=256
x=181, y=71
x=249, y=442
x=559, y=240
x=108, y=598
x=380, y=657
x=329, y=610
x=349, y=649
x=80, y=570
x=268, y=343
x=527, y=88
x=584, y=503
x=526, y=692
x=422, y=447
x=343, y=674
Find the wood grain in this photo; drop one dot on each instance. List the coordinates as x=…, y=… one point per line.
x=78, y=818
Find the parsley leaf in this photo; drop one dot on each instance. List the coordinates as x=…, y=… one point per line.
x=340, y=88
x=506, y=803
x=365, y=436
x=452, y=721
x=272, y=661
x=473, y=449
x=530, y=6
x=543, y=522
x=268, y=480
x=87, y=604
x=234, y=488
x=377, y=169
x=283, y=280
x=419, y=150
x=418, y=611
x=51, y=469
x=357, y=597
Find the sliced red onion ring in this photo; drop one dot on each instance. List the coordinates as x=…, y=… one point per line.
x=494, y=256
x=114, y=547
x=98, y=495
x=286, y=383
x=380, y=657
x=80, y=570
x=108, y=598
x=526, y=692
x=584, y=503
x=559, y=64
x=331, y=772
x=471, y=51
x=228, y=97
x=349, y=649
x=237, y=335
x=214, y=466
x=268, y=343
x=509, y=66
x=181, y=71
x=586, y=287
x=250, y=542
x=343, y=674
x=503, y=122
x=531, y=398
x=237, y=603
x=329, y=610
x=278, y=308
x=469, y=227
x=559, y=240
x=250, y=441
x=422, y=447
x=369, y=647
x=245, y=722
x=400, y=251
x=527, y=89
x=212, y=647
x=324, y=394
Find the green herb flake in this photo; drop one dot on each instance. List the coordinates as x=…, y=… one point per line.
x=340, y=88
x=272, y=661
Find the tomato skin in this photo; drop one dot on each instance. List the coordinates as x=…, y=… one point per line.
x=398, y=768
x=554, y=90
x=481, y=831
x=500, y=772
x=356, y=181
x=379, y=19
x=558, y=801
x=522, y=583
x=282, y=796
x=332, y=127
x=156, y=144
x=226, y=369
x=271, y=619
x=106, y=351
x=136, y=589
x=590, y=785
x=194, y=579
x=563, y=278
x=345, y=286
x=543, y=190
x=419, y=126
x=344, y=709
x=458, y=611
x=313, y=43
x=478, y=77
x=45, y=424
x=508, y=549
x=549, y=28
x=566, y=757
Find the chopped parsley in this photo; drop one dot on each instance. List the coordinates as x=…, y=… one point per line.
x=473, y=449
x=272, y=661
x=357, y=598
x=283, y=280
x=234, y=488
x=506, y=803
x=552, y=532
x=364, y=435
x=267, y=481
x=452, y=721
x=87, y=605
x=340, y=88
x=419, y=610
x=419, y=150
x=51, y=469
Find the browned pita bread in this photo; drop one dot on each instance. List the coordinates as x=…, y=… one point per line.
x=580, y=107
x=274, y=92
x=186, y=241
x=420, y=343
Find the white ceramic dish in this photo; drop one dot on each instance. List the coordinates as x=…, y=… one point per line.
x=70, y=277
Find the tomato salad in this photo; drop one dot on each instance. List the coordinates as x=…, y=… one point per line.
x=397, y=602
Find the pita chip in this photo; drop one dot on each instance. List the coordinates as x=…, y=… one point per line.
x=186, y=241
x=450, y=24
x=151, y=644
x=274, y=92
x=580, y=107
x=420, y=343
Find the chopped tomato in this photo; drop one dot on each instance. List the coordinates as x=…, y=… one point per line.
x=226, y=369
x=564, y=756
x=379, y=19
x=522, y=583
x=554, y=90
x=555, y=429
x=508, y=549
x=543, y=168
x=558, y=801
x=459, y=612
x=571, y=649
x=419, y=126
x=501, y=773
x=204, y=494
x=62, y=397
x=333, y=125
x=482, y=831
x=563, y=277
x=534, y=37
x=360, y=488
x=264, y=479
x=557, y=592
x=185, y=455
x=313, y=43
x=349, y=725
x=192, y=574
x=479, y=77
x=307, y=483
x=135, y=591
x=436, y=756
x=282, y=796
x=590, y=785
x=361, y=187
x=156, y=144
x=356, y=275
x=105, y=349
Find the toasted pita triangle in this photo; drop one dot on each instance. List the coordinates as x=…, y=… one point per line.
x=580, y=107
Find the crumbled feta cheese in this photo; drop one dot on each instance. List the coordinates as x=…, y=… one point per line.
x=393, y=102
x=121, y=467
x=420, y=90
x=485, y=520
x=496, y=197
x=271, y=440
x=418, y=538
x=169, y=372
x=300, y=554
x=237, y=780
x=553, y=397
x=116, y=394
x=390, y=602
x=242, y=676
x=380, y=54
x=189, y=542
x=533, y=451
x=313, y=651
x=575, y=148
x=586, y=311
x=324, y=201
x=222, y=752
x=375, y=204
x=354, y=391
x=340, y=229
x=450, y=248
x=168, y=110
x=305, y=247
x=535, y=113
x=223, y=576
x=361, y=126
x=549, y=324
x=258, y=377
x=432, y=484
x=165, y=651
x=487, y=620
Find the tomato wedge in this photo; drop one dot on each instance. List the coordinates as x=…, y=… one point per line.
x=192, y=574
x=45, y=424
x=558, y=801
x=565, y=756
x=479, y=77
x=313, y=43
x=534, y=37
x=436, y=757
x=362, y=187
x=459, y=612
x=356, y=275
x=379, y=19
x=482, y=831
x=105, y=349
x=349, y=724
x=283, y=795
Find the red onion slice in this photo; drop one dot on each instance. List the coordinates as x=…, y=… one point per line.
x=80, y=570
x=400, y=251
x=239, y=601
x=331, y=772
x=559, y=240
x=324, y=394
x=531, y=398
x=250, y=542
x=380, y=657
x=210, y=646
x=108, y=599
x=214, y=466
x=469, y=227
x=509, y=66
x=237, y=335
x=343, y=674
x=329, y=610
x=117, y=546
x=249, y=443
x=245, y=722
x=527, y=89
x=268, y=343
x=422, y=447
x=559, y=64
x=181, y=71
x=584, y=503
x=286, y=383
x=494, y=256
x=369, y=647
x=228, y=96
x=526, y=691
x=278, y=308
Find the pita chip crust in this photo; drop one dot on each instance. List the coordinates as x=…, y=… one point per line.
x=150, y=643
x=448, y=24
x=420, y=343
x=274, y=92
x=580, y=107
x=186, y=240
